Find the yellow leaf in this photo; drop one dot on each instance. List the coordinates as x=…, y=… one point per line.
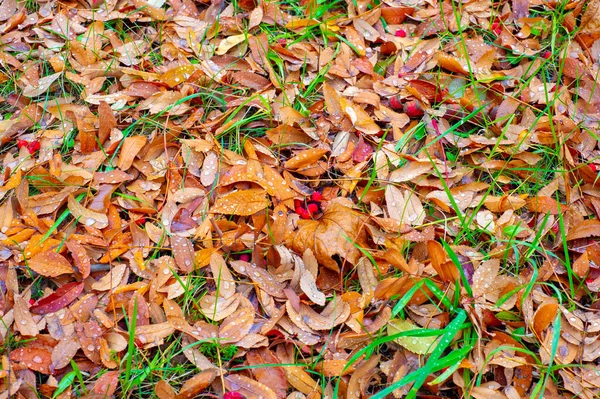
x=177, y=75
x=242, y=202
x=230, y=42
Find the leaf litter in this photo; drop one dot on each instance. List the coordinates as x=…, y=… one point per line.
x=360, y=199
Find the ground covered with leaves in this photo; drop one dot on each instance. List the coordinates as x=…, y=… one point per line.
x=299, y=199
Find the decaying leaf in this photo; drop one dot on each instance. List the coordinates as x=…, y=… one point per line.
x=339, y=231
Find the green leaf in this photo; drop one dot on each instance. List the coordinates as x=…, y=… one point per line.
x=418, y=345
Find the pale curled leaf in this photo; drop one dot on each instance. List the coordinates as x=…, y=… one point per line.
x=85, y=216
x=42, y=86
x=112, y=279
x=404, y=205
x=24, y=322
x=230, y=42
x=308, y=284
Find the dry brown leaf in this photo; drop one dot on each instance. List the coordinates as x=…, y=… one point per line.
x=286, y=134
x=545, y=205
x=308, y=283
x=183, y=252
x=237, y=326
x=163, y=390
x=210, y=169
x=338, y=232
x=364, y=371
x=301, y=380
x=359, y=117
x=153, y=334
x=64, y=351
x=581, y=266
x=404, y=206
x=261, y=277
x=223, y=280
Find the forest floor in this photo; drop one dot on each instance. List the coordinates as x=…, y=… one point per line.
x=299, y=199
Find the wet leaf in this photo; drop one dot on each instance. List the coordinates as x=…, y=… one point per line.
x=50, y=264
x=242, y=202
x=60, y=298
x=248, y=388
x=86, y=216
x=338, y=232
x=418, y=345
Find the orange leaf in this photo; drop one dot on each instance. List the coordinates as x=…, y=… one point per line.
x=581, y=266
x=286, y=134
x=395, y=15
x=446, y=269
x=177, y=75
x=248, y=387
x=131, y=147
x=107, y=121
x=544, y=315
x=543, y=204
x=107, y=383
x=242, y=202
x=37, y=359
x=305, y=158
x=198, y=383
x=273, y=376
x=301, y=380
x=585, y=229
x=80, y=257
x=50, y=264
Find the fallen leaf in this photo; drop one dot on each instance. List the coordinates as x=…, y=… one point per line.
x=60, y=298
x=418, y=345
x=339, y=231
x=241, y=202
x=86, y=216
x=50, y=264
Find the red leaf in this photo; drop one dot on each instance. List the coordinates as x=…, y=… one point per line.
x=363, y=151
x=59, y=299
